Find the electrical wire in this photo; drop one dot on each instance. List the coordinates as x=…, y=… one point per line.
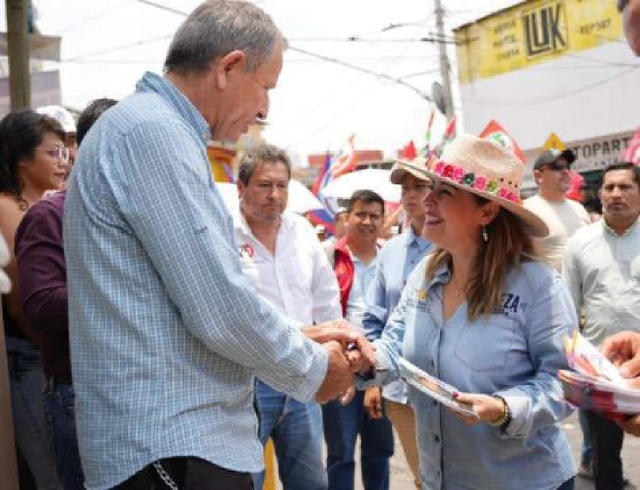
x=546, y=100
x=86, y=20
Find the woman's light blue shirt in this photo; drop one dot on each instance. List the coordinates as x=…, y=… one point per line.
x=515, y=352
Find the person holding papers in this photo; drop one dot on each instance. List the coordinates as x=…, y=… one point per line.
x=484, y=315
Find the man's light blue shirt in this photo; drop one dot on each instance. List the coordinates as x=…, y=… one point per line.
x=396, y=260
x=166, y=332
x=363, y=275
x=515, y=352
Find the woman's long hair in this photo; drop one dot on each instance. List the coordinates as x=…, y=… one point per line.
x=21, y=132
x=508, y=245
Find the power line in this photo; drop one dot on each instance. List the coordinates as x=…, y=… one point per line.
x=86, y=20
x=434, y=39
x=163, y=7
x=382, y=76
x=544, y=100
x=120, y=48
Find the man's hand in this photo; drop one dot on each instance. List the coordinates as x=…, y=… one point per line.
x=339, y=377
x=623, y=349
x=361, y=354
x=373, y=402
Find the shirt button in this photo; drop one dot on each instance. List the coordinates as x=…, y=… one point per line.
x=438, y=439
x=435, y=403
x=433, y=364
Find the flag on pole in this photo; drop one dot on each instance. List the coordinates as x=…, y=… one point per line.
x=449, y=132
x=447, y=137
x=427, y=135
x=499, y=136
x=632, y=152
x=346, y=160
x=323, y=216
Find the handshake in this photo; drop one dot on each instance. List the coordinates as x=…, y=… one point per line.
x=349, y=353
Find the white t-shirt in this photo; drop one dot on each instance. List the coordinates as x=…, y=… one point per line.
x=563, y=218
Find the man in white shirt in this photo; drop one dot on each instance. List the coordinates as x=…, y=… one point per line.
x=282, y=257
x=602, y=271
x=563, y=216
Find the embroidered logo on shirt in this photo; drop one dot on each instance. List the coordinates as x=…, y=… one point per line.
x=417, y=299
x=510, y=305
x=246, y=251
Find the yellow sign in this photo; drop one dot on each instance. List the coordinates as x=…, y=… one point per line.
x=534, y=32
x=553, y=142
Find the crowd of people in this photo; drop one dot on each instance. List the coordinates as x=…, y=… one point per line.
x=172, y=336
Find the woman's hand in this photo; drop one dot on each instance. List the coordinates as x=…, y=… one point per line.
x=373, y=402
x=487, y=407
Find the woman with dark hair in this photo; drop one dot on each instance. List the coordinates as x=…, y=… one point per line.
x=33, y=160
x=483, y=314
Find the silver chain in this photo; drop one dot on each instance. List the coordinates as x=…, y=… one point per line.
x=164, y=476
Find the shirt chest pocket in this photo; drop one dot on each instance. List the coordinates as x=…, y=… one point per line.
x=488, y=344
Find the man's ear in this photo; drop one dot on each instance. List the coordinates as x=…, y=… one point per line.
x=240, y=187
x=227, y=66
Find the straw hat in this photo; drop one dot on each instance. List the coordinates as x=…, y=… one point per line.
x=400, y=169
x=479, y=166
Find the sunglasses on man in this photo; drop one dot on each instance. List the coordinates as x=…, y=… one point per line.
x=558, y=166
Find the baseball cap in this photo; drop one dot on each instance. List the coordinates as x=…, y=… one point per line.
x=61, y=115
x=552, y=155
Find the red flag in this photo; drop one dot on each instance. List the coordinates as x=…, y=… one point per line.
x=409, y=151
x=499, y=136
x=450, y=132
x=346, y=160
x=632, y=152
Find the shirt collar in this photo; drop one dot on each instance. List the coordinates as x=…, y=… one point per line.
x=412, y=238
x=612, y=232
x=151, y=82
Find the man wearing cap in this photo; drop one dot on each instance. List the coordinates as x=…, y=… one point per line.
x=288, y=267
x=395, y=262
x=563, y=216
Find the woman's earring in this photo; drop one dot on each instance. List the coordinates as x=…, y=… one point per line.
x=485, y=235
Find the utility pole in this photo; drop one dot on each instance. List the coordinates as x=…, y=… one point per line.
x=445, y=67
x=18, y=50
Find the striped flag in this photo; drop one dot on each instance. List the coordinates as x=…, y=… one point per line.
x=427, y=135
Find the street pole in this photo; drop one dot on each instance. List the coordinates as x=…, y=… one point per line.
x=445, y=67
x=18, y=49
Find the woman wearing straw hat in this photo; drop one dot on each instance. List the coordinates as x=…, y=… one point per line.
x=483, y=314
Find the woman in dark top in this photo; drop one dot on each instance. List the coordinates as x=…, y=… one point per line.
x=33, y=160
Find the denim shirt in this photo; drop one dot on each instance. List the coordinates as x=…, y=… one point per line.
x=515, y=352
x=396, y=260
